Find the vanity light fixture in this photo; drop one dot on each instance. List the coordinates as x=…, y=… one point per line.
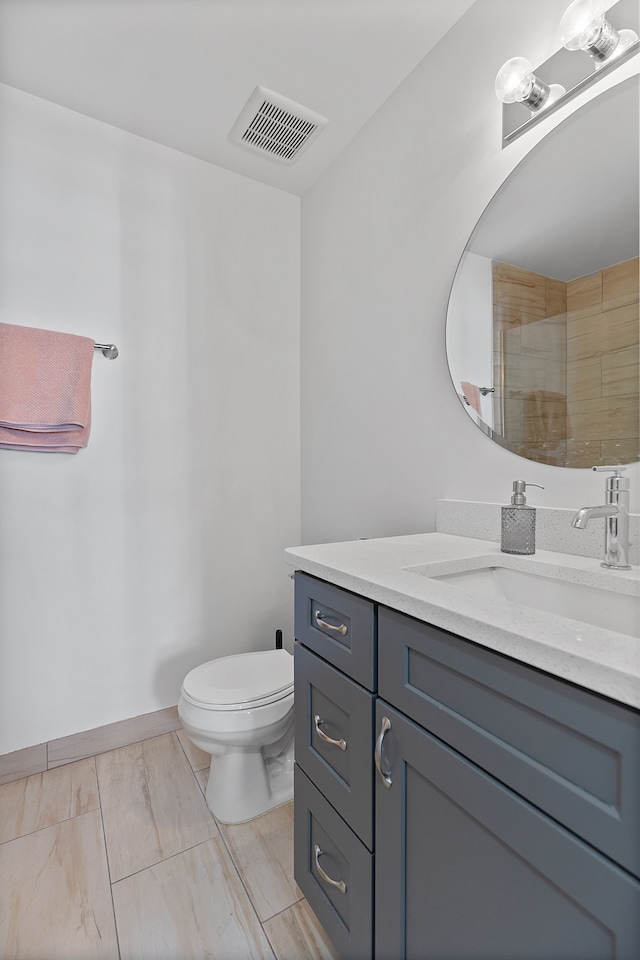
x=584, y=26
x=595, y=26
x=517, y=83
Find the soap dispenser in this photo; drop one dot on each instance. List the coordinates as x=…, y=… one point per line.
x=518, y=531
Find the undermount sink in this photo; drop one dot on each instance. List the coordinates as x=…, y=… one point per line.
x=578, y=601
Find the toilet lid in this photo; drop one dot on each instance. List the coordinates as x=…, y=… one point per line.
x=241, y=679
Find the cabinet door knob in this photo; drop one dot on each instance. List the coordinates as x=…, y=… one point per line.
x=339, y=628
x=341, y=744
x=385, y=777
x=340, y=884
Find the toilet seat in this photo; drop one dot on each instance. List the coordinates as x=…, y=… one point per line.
x=242, y=681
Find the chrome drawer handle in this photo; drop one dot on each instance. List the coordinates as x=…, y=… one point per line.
x=339, y=628
x=340, y=744
x=340, y=884
x=385, y=777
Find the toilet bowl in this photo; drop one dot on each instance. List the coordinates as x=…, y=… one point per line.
x=239, y=709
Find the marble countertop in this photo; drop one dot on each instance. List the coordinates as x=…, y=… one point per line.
x=595, y=658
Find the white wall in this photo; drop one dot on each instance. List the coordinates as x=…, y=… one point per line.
x=384, y=435
x=160, y=545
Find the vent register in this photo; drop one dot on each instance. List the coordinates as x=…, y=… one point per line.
x=275, y=126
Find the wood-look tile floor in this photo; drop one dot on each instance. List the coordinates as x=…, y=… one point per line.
x=117, y=857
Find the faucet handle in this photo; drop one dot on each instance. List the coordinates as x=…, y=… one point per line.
x=615, y=483
x=617, y=469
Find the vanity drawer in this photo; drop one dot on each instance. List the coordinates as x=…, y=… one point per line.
x=573, y=754
x=330, y=705
x=337, y=625
x=324, y=844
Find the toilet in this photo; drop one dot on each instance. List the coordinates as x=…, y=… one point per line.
x=240, y=710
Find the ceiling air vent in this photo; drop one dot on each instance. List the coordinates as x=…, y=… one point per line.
x=276, y=126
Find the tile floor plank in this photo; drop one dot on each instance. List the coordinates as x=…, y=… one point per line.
x=55, y=901
x=198, y=759
x=189, y=907
x=202, y=776
x=152, y=806
x=295, y=934
x=180, y=890
x=46, y=798
x=262, y=850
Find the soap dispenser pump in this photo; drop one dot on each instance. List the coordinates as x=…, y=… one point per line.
x=518, y=530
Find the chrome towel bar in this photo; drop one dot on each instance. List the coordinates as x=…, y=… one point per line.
x=109, y=350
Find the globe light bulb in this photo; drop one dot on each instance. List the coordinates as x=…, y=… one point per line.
x=514, y=80
x=585, y=27
x=516, y=83
x=581, y=23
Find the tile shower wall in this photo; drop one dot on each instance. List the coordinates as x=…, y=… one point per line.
x=603, y=370
x=566, y=357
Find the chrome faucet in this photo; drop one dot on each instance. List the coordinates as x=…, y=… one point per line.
x=616, y=514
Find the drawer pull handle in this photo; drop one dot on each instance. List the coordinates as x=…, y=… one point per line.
x=339, y=628
x=385, y=777
x=340, y=744
x=340, y=884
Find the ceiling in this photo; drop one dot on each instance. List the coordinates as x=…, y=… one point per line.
x=180, y=71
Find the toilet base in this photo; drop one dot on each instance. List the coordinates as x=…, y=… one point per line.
x=243, y=785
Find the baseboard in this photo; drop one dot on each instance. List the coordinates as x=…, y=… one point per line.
x=88, y=743
x=23, y=763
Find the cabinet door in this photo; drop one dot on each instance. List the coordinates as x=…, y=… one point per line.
x=334, y=732
x=467, y=870
x=571, y=753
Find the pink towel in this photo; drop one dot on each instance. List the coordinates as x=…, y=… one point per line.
x=45, y=389
x=471, y=395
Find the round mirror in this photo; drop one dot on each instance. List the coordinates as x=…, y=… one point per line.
x=542, y=323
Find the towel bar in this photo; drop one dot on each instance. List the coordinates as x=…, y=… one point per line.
x=109, y=350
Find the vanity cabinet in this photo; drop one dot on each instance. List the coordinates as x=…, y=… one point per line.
x=573, y=754
x=335, y=675
x=510, y=828
x=502, y=822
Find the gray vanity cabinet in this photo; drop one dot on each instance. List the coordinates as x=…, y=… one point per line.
x=335, y=669
x=334, y=870
x=333, y=735
x=488, y=760
x=467, y=870
x=502, y=822
x=573, y=754
x=339, y=626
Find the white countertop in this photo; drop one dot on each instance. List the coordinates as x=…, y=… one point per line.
x=592, y=657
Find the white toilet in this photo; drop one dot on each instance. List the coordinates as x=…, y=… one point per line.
x=240, y=710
